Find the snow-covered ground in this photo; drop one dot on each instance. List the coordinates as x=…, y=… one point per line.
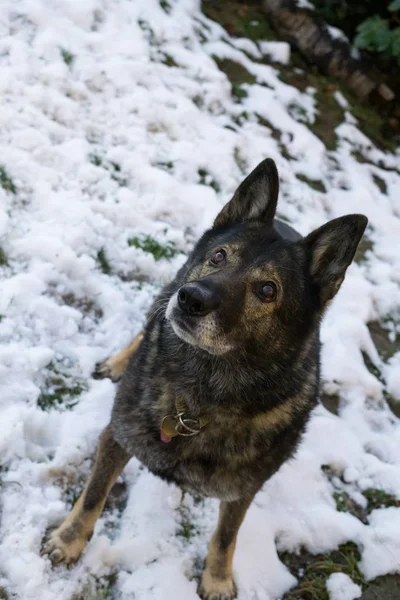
x=114, y=118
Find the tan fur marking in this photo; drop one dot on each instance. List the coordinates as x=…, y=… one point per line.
x=217, y=581
x=66, y=543
x=115, y=365
x=282, y=415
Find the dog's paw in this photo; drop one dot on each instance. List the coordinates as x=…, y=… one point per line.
x=107, y=368
x=62, y=547
x=216, y=589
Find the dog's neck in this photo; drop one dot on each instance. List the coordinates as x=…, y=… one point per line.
x=246, y=380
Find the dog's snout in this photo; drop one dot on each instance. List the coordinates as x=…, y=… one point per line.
x=197, y=299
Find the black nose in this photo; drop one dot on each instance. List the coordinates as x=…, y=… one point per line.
x=197, y=299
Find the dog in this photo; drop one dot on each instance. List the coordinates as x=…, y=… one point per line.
x=216, y=392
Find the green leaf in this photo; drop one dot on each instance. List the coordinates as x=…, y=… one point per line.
x=374, y=34
x=396, y=42
x=395, y=5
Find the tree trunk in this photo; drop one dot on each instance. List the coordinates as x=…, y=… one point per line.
x=310, y=35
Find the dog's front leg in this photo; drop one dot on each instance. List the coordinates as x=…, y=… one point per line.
x=115, y=365
x=217, y=581
x=66, y=543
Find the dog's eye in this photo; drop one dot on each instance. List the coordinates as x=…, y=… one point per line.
x=218, y=258
x=267, y=291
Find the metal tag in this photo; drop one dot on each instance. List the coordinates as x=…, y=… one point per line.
x=168, y=426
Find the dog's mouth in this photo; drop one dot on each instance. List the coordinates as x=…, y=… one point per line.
x=187, y=333
x=196, y=331
x=183, y=331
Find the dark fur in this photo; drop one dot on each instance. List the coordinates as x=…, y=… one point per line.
x=251, y=366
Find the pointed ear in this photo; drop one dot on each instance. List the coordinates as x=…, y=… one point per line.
x=331, y=249
x=255, y=199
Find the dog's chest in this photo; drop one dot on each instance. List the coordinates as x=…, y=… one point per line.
x=226, y=459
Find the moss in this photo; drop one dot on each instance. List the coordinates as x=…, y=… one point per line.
x=372, y=124
x=329, y=115
x=313, y=571
x=6, y=182
x=103, y=261
x=67, y=56
x=240, y=19
x=152, y=246
x=235, y=72
x=315, y=184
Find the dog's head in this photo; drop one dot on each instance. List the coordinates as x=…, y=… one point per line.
x=245, y=284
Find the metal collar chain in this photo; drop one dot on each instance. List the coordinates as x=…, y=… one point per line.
x=179, y=425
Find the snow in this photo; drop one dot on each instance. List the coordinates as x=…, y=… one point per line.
x=277, y=51
x=341, y=587
x=63, y=128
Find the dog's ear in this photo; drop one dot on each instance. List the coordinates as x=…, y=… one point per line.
x=331, y=249
x=255, y=199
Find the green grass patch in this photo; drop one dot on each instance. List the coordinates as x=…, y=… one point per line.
x=313, y=571
x=315, y=184
x=186, y=530
x=96, y=160
x=100, y=588
x=344, y=503
x=168, y=60
x=6, y=182
x=240, y=160
x=364, y=246
x=85, y=305
x=206, y=179
x=103, y=261
x=380, y=183
x=152, y=246
x=238, y=92
x=59, y=394
x=166, y=165
x=380, y=499
x=3, y=258
x=276, y=135
x=67, y=56
x=386, y=345
x=165, y=6
x=112, y=167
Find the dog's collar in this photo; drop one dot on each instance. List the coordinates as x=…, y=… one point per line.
x=179, y=424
